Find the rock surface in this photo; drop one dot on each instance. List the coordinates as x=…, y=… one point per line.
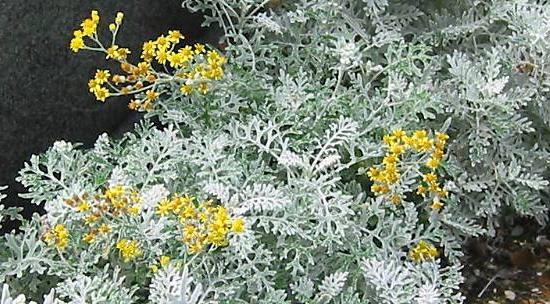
x=43, y=85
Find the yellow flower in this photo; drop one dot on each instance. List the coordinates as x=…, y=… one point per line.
x=162, y=43
x=421, y=190
x=142, y=68
x=442, y=192
x=164, y=260
x=199, y=48
x=436, y=204
x=95, y=16
x=89, y=27
x=237, y=225
x=153, y=268
x=390, y=159
x=432, y=163
x=389, y=140
x=117, y=53
x=58, y=235
x=399, y=134
x=442, y=137
x=420, y=134
x=438, y=153
x=128, y=249
x=93, y=85
x=196, y=247
x=390, y=175
x=175, y=60
x=104, y=229
x=423, y=251
x=77, y=43
x=148, y=51
x=164, y=207
x=134, y=210
x=186, y=89
x=119, y=16
x=112, y=27
x=175, y=36
x=213, y=57
x=151, y=95
x=395, y=199
x=374, y=174
x=186, y=53
x=429, y=178
x=379, y=189
x=83, y=206
x=114, y=192
x=90, y=219
x=101, y=94
x=397, y=149
x=102, y=76
x=89, y=237
x=203, y=87
x=112, y=51
x=161, y=56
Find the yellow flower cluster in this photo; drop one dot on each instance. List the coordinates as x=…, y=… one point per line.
x=128, y=249
x=193, y=66
x=202, y=224
x=57, y=236
x=98, y=211
x=423, y=251
x=94, y=85
x=397, y=143
x=88, y=29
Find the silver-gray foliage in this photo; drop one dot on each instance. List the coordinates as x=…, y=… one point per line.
x=283, y=140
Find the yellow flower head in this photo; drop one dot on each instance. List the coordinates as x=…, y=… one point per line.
x=186, y=89
x=164, y=260
x=174, y=36
x=128, y=249
x=93, y=85
x=162, y=43
x=119, y=17
x=186, y=53
x=77, y=43
x=430, y=178
x=102, y=76
x=101, y=93
x=162, y=56
x=89, y=237
x=95, y=16
x=237, y=225
x=89, y=27
x=104, y=229
x=203, y=87
x=436, y=204
x=199, y=48
x=58, y=236
x=432, y=163
x=151, y=95
x=423, y=251
x=83, y=206
x=117, y=53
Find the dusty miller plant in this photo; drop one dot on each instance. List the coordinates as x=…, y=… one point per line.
x=284, y=141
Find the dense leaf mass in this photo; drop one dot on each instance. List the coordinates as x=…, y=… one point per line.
x=357, y=142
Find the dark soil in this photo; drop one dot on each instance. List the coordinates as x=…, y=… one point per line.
x=512, y=267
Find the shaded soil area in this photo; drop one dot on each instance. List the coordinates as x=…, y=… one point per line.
x=513, y=267
x=43, y=85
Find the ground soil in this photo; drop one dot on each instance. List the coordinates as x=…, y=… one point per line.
x=512, y=267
